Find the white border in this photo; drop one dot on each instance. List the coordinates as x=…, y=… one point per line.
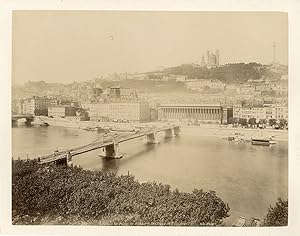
x=290, y=6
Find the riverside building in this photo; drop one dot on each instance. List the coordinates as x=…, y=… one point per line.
x=201, y=112
x=37, y=105
x=120, y=111
x=61, y=111
x=261, y=112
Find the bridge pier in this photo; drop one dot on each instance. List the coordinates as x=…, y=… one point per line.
x=69, y=159
x=176, y=130
x=169, y=133
x=61, y=162
x=112, y=151
x=28, y=121
x=14, y=122
x=152, y=138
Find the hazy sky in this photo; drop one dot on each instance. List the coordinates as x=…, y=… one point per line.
x=66, y=46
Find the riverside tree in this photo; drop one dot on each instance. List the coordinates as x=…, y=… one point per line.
x=103, y=198
x=278, y=214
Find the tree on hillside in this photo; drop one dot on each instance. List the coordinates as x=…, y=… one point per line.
x=230, y=73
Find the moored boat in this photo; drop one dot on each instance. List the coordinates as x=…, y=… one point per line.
x=272, y=140
x=44, y=124
x=260, y=141
x=240, y=222
x=263, y=141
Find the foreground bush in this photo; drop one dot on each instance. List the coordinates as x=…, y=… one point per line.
x=79, y=196
x=277, y=215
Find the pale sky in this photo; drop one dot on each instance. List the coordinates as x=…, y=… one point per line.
x=67, y=46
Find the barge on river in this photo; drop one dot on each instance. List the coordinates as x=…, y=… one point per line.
x=263, y=141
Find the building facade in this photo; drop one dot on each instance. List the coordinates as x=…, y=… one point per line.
x=200, y=112
x=122, y=94
x=61, y=111
x=266, y=111
x=213, y=60
x=120, y=111
x=248, y=112
x=37, y=105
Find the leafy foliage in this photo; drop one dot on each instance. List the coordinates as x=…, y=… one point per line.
x=277, y=215
x=231, y=73
x=105, y=198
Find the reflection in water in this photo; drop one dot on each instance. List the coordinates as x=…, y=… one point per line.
x=248, y=177
x=109, y=164
x=148, y=148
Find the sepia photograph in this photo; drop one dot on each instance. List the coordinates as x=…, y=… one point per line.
x=149, y=118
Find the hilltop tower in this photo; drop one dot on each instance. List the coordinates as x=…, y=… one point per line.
x=274, y=53
x=207, y=56
x=202, y=64
x=217, y=58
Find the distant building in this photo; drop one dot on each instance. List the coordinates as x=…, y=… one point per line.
x=227, y=114
x=213, y=59
x=202, y=84
x=61, y=111
x=280, y=111
x=37, y=105
x=276, y=111
x=69, y=103
x=248, y=111
x=96, y=92
x=122, y=94
x=247, y=89
x=153, y=114
x=202, y=63
x=281, y=89
x=201, y=112
x=120, y=111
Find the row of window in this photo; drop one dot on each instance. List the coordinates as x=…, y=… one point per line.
x=192, y=110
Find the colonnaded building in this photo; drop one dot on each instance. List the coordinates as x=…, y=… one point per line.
x=202, y=112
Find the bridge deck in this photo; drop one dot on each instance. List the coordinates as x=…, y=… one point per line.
x=102, y=141
x=22, y=116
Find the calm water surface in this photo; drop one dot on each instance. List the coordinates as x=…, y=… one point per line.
x=249, y=178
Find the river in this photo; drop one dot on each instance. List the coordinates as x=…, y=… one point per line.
x=249, y=178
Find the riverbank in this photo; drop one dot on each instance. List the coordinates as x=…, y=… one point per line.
x=222, y=131
x=41, y=193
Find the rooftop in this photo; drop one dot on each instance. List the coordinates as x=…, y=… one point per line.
x=189, y=105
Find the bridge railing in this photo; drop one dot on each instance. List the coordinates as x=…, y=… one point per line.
x=98, y=143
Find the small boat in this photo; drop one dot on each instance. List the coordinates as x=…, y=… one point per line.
x=257, y=222
x=260, y=141
x=44, y=124
x=263, y=141
x=240, y=222
x=90, y=129
x=272, y=140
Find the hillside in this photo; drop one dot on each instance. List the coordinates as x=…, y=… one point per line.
x=231, y=73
